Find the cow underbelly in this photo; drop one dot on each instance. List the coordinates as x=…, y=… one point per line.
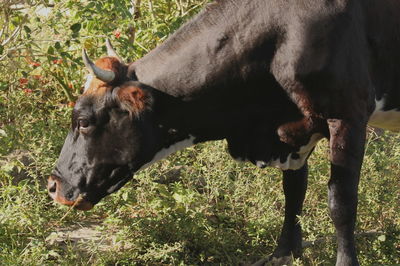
x=285, y=160
x=289, y=161
x=389, y=119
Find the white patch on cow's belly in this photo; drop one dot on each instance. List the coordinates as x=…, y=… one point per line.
x=389, y=119
x=171, y=149
x=304, y=152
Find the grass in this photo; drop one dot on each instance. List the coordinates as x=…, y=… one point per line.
x=197, y=207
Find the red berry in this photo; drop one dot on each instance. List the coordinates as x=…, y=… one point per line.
x=57, y=61
x=23, y=81
x=117, y=34
x=35, y=64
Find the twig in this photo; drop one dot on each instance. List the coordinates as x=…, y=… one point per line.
x=12, y=36
x=141, y=46
x=2, y=31
x=190, y=10
x=4, y=56
x=70, y=208
x=47, y=4
x=17, y=8
x=136, y=9
x=6, y=52
x=131, y=34
x=80, y=38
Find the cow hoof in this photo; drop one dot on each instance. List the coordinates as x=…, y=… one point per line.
x=273, y=261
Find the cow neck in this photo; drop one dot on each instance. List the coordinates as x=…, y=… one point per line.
x=209, y=53
x=179, y=124
x=201, y=120
x=197, y=72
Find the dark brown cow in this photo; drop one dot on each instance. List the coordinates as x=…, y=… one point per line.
x=271, y=77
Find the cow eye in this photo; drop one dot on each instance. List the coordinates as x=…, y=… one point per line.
x=83, y=123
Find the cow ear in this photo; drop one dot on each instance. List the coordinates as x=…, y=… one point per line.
x=133, y=99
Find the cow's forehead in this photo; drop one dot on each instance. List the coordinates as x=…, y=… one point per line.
x=95, y=87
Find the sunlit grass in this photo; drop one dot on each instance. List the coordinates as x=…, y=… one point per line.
x=215, y=211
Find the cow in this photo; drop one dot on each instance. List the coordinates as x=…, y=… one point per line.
x=270, y=77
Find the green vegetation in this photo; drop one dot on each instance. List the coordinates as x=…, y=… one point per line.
x=196, y=207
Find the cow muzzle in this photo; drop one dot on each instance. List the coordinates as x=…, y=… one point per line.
x=54, y=189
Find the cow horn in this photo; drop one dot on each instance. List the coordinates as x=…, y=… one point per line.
x=111, y=51
x=104, y=75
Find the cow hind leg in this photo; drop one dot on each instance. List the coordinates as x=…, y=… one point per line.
x=347, y=141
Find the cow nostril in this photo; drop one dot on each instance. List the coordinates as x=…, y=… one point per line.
x=52, y=187
x=69, y=195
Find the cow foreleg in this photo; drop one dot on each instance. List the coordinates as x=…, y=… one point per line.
x=294, y=186
x=347, y=141
x=290, y=240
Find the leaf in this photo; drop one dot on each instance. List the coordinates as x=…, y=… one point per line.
x=57, y=45
x=53, y=254
x=66, y=55
x=51, y=58
x=91, y=5
x=125, y=196
x=75, y=35
x=76, y=27
x=3, y=133
x=8, y=167
x=178, y=197
x=162, y=189
x=50, y=50
x=27, y=29
x=88, y=44
x=382, y=238
x=1, y=49
x=52, y=238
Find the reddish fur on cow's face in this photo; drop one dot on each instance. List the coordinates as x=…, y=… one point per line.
x=130, y=96
x=80, y=203
x=134, y=98
x=109, y=63
x=97, y=87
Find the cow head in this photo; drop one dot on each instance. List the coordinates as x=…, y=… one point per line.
x=112, y=135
